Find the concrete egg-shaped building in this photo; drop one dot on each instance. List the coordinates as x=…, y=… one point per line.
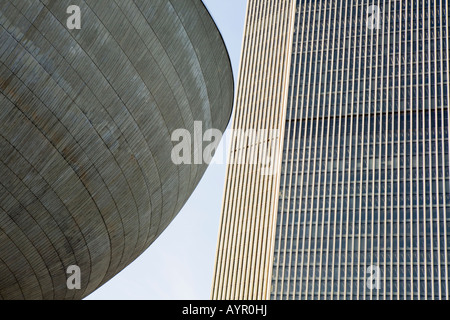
x=86, y=117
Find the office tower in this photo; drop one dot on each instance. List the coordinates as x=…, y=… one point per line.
x=359, y=206
x=86, y=118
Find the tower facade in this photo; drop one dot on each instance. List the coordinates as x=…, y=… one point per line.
x=359, y=206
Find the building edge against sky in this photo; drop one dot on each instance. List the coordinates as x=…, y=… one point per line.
x=243, y=266
x=363, y=174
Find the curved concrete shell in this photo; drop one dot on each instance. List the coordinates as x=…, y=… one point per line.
x=86, y=118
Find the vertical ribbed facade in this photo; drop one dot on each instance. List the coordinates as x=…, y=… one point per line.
x=244, y=256
x=364, y=175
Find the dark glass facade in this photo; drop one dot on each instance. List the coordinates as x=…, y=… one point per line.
x=365, y=167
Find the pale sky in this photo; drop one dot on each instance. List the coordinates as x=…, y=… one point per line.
x=179, y=264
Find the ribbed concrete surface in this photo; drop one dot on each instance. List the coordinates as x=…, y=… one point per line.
x=86, y=118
